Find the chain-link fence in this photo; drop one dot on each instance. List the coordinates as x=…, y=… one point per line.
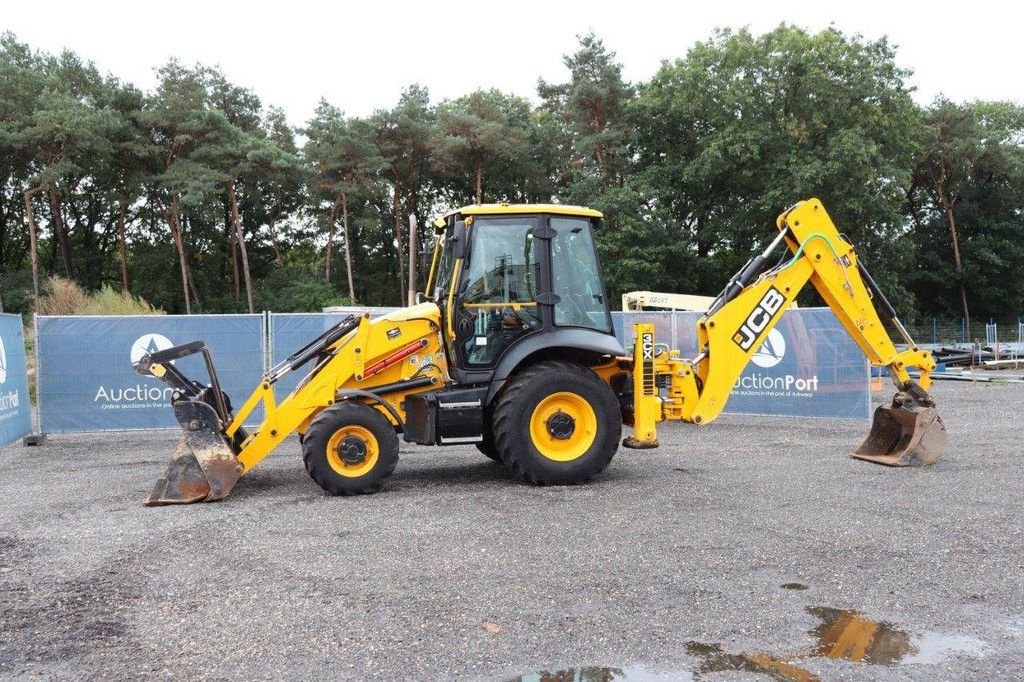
x=945, y=332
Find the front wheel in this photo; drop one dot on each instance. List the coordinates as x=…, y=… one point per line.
x=350, y=449
x=557, y=423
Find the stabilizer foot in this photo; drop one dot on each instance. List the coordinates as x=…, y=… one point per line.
x=633, y=443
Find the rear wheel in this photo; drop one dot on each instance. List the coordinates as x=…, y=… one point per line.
x=350, y=449
x=489, y=448
x=557, y=423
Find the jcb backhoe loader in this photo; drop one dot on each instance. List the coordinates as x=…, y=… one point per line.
x=512, y=349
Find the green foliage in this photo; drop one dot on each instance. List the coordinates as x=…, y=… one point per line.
x=592, y=109
x=745, y=125
x=485, y=134
x=968, y=183
x=690, y=169
x=16, y=289
x=296, y=290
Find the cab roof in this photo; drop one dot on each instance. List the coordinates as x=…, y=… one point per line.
x=509, y=209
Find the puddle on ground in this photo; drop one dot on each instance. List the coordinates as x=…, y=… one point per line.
x=850, y=635
x=715, y=659
x=793, y=586
x=635, y=673
x=843, y=634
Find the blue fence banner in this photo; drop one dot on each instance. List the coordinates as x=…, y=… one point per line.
x=85, y=376
x=808, y=366
x=15, y=407
x=291, y=331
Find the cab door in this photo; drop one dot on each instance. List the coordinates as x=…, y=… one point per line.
x=496, y=302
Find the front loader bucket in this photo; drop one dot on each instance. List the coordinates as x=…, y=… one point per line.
x=903, y=436
x=203, y=468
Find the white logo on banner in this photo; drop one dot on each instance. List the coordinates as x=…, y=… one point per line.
x=769, y=355
x=149, y=343
x=3, y=362
x=771, y=351
x=139, y=395
x=10, y=400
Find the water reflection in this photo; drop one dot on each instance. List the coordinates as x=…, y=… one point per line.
x=843, y=634
x=634, y=673
x=715, y=659
x=850, y=635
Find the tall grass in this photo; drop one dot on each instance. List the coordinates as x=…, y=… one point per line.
x=65, y=297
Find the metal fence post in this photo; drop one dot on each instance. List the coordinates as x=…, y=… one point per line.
x=39, y=374
x=270, y=339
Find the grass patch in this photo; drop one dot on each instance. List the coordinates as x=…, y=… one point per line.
x=65, y=297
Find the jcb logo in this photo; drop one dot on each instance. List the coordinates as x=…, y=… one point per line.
x=769, y=306
x=647, y=345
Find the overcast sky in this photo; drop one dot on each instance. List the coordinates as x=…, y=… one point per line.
x=360, y=56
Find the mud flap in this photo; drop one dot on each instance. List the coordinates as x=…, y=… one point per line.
x=204, y=467
x=906, y=434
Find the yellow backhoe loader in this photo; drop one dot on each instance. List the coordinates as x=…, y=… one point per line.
x=511, y=348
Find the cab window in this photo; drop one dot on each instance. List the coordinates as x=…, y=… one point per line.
x=575, y=276
x=498, y=301
x=446, y=262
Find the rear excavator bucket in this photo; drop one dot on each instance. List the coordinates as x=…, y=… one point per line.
x=908, y=433
x=203, y=467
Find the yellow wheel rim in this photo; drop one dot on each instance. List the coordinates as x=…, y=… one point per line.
x=563, y=426
x=353, y=437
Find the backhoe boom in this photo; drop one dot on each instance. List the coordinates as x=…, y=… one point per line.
x=741, y=317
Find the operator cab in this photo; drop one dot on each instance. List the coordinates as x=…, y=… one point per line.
x=504, y=273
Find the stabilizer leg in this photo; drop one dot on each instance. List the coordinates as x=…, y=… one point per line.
x=646, y=400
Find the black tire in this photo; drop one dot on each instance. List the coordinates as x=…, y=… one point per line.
x=488, y=447
x=353, y=423
x=514, y=413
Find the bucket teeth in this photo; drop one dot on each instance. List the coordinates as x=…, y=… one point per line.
x=904, y=436
x=203, y=468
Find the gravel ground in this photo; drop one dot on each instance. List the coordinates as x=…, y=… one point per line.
x=689, y=560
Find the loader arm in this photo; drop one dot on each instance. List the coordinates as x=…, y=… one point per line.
x=355, y=360
x=740, y=318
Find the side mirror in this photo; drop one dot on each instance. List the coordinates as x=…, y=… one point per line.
x=459, y=239
x=421, y=297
